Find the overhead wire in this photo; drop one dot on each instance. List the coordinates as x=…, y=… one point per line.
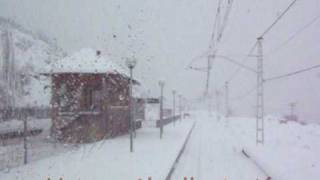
x=279, y=18
x=268, y=29
x=302, y=29
x=263, y=34
x=244, y=95
x=293, y=73
x=238, y=70
x=217, y=32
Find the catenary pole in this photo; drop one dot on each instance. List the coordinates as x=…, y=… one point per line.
x=260, y=95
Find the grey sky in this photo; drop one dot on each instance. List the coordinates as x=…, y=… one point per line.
x=165, y=35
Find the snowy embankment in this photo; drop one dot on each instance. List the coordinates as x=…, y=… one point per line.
x=291, y=151
x=215, y=150
x=111, y=159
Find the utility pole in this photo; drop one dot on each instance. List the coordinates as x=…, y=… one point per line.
x=161, y=84
x=218, y=94
x=207, y=96
x=260, y=95
x=180, y=107
x=206, y=93
x=227, y=98
x=25, y=136
x=131, y=113
x=292, y=108
x=174, y=106
x=293, y=116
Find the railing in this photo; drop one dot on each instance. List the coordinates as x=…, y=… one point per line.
x=78, y=113
x=17, y=134
x=15, y=113
x=166, y=121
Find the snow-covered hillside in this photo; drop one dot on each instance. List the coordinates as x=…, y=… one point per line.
x=31, y=54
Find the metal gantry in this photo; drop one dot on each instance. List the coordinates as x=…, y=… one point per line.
x=221, y=20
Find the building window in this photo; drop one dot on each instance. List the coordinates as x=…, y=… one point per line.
x=64, y=98
x=91, y=98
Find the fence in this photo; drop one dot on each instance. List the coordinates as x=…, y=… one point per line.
x=15, y=113
x=166, y=121
x=19, y=145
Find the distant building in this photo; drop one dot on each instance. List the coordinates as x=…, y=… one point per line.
x=90, y=97
x=290, y=118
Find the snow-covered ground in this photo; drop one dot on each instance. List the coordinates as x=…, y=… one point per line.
x=111, y=159
x=291, y=150
x=39, y=146
x=214, y=151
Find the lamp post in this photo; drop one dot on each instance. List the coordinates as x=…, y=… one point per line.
x=161, y=84
x=174, y=106
x=131, y=63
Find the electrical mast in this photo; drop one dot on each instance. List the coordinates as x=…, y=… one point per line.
x=218, y=103
x=220, y=23
x=292, y=108
x=227, y=98
x=260, y=95
x=210, y=58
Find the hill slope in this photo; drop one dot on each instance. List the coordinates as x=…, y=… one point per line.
x=23, y=55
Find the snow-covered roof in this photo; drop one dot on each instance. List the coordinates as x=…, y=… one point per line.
x=86, y=61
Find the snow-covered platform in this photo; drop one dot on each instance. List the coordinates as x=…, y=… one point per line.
x=111, y=159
